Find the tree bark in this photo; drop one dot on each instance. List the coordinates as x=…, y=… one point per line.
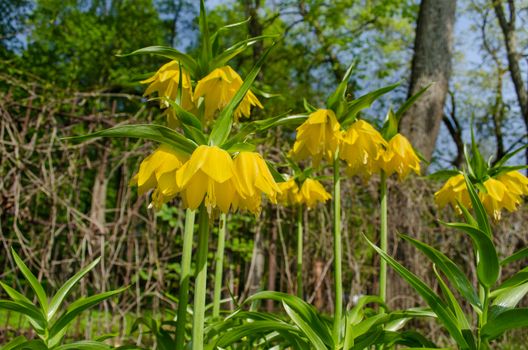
x=507, y=26
x=431, y=63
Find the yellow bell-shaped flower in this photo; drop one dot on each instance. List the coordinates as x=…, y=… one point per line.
x=497, y=197
x=515, y=182
x=158, y=171
x=253, y=179
x=289, y=192
x=361, y=148
x=312, y=192
x=218, y=88
x=165, y=83
x=454, y=190
x=399, y=157
x=317, y=137
x=209, y=174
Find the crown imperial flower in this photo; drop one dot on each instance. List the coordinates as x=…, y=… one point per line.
x=165, y=83
x=289, y=192
x=208, y=175
x=312, y=192
x=399, y=157
x=317, y=137
x=361, y=149
x=218, y=88
x=158, y=172
x=253, y=179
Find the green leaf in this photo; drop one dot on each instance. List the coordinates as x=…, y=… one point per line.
x=365, y=101
x=185, y=117
x=518, y=255
x=507, y=156
x=241, y=147
x=450, y=269
x=390, y=126
x=31, y=345
x=222, y=59
x=305, y=327
x=14, y=343
x=33, y=282
x=453, y=303
x=84, y=345
x=66, y=288
x=79, y=306
x=356, y=313
x=407, y=104
x=263, y=125
x=510, y=319
x=434, y=301
x=13, y=294
x=235, y=334
x=478, y=164
x=206, y=49
x=508, y=298
x=28, y=310
x=308, y=107
x=443, y=175
x=227, y=27
x=488, y=268
x=519, y=278
x=305, y=310
x=480, y=212
x=505, y=169
x=337, y=100
x=222, y=126
x=152, y=132
x=164, y=51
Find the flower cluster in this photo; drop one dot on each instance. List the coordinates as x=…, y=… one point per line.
x=503, y=192
x=209, y=175
x=214, y=91
x=310, y=193
x=363, y=148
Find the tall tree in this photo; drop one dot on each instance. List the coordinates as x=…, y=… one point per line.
x=431, y=64
x=508, y=28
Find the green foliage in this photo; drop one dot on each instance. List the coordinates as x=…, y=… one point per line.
x=495, y=309
x=49, y=320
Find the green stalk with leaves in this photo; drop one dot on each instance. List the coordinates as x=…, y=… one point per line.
x=219, y=265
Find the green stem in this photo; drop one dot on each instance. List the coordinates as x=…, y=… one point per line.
x=184, y=279
x=219, y=265
x=383, y=236
x=299, y=251
x=200, y=280
x=338, y=296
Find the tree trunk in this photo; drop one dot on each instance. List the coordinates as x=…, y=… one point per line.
x=431, y=64
x=508, y=30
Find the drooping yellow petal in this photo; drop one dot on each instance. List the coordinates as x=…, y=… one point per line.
x=361, y=148
x=208, y=176
x=318, y=137
x=313, y=192
x=253, y=179
x=453, y=191
x=165, y=83
x=289, y=194
x=217, y=90
x=399, y=157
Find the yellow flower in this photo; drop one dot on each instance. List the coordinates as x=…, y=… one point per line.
x=454, y=190
x=209, y=174
x=289, y=194
x=361, y=149
x=399, y=157
x=218, y=88
x=253, y=178
x=499, y=196
x=318, y=137
x=312, y=192
x=516, y=182
x=158, y=171
x=165, y=83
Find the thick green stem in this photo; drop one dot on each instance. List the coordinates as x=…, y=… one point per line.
x=338, y=291
x=383, y=235
x=219, y=265
x=184, y=279
x=200, y=280
x=300, y=251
